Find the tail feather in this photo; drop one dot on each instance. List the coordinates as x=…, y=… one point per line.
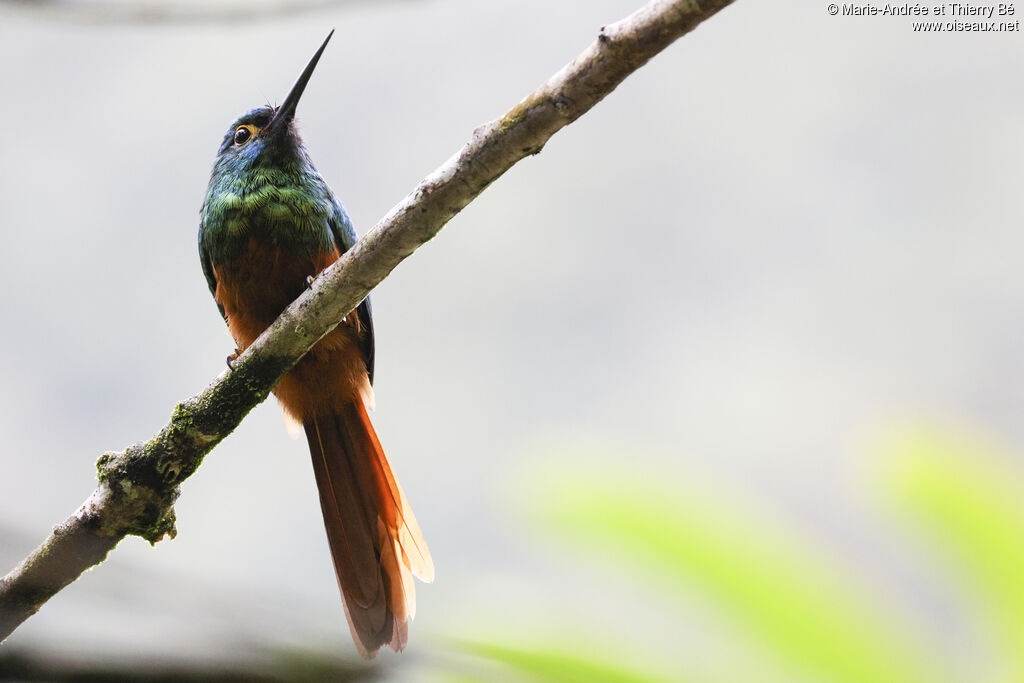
x=395, y=509
x=346, y=515
x=375, y=542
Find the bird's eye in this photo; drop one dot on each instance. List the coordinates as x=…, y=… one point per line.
x=243, y=133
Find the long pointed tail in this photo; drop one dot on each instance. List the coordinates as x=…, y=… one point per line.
x=375, y=541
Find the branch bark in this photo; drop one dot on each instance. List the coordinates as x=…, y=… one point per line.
x=138, y=486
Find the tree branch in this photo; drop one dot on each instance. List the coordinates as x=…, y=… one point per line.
x=138, y=486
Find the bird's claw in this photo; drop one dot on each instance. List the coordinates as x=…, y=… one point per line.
x=309, y=281
x=232, y=358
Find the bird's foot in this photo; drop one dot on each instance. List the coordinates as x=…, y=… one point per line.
x=232, y=358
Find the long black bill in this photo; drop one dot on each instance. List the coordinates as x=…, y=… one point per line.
x=286, y=112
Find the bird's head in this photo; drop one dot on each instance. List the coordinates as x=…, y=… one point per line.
x=267, y=137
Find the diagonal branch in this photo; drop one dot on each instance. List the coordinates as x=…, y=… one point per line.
x=138, y=486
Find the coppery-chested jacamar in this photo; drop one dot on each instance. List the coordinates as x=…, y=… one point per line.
x=269, y=223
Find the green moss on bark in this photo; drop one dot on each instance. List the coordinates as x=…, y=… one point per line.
x=142, y=481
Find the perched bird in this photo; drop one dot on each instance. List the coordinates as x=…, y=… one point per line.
x=268, y=225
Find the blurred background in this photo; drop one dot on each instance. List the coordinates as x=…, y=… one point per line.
x=724, y=385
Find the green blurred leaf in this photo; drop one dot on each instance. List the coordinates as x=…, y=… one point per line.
x=549, y=665
x=970, y=500
x=789, y=604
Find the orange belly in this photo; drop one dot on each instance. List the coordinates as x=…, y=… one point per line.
x=254, y=288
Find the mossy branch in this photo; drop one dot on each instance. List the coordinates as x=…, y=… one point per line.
x=138, y=486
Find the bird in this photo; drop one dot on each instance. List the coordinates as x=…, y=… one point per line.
x=269, y=224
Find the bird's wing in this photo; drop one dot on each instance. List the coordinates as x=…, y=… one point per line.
x=211, y=278
x=344, y=237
